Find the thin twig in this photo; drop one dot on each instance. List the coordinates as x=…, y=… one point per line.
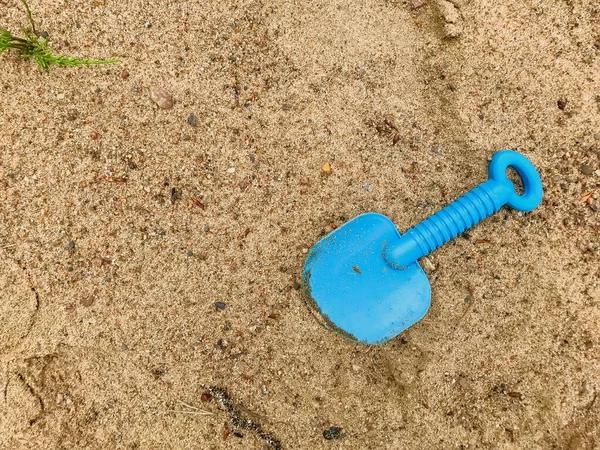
x=198, y=413
x=469, y=306
x=187, y=404
x=196, y=410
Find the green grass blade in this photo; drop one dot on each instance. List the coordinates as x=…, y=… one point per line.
x=5, y=39
x=29, y=16
x=36, y=48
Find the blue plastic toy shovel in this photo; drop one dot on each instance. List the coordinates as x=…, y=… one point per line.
x=363, y=279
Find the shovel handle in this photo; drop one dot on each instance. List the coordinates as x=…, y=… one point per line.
x=471, y=208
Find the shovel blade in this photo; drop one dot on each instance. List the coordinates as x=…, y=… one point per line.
x=354, y=292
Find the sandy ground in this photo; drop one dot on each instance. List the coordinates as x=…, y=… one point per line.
x=109, y=268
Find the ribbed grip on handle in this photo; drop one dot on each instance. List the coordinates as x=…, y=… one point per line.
x=455, y=218
x=446, y=224
x=466, y=211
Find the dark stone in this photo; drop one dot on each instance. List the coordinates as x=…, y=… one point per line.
x=561, y=103
x=192, y=120
x=332, y=433
x=220, y=305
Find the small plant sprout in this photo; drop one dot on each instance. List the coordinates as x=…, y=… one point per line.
x=35, y=46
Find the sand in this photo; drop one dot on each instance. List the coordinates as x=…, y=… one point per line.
x=121, y=224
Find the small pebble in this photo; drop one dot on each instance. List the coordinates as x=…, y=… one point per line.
x=71, y=245
x=468, y=299
x=597, y=45
x=124, y=75
x=192, y=120
x=124, y=347
x=231, y=170
x=561, y=103
x=190, y=253
x=99, y=261
x=286, y=107
x=332, y=433
x=326, y=168
x=368, y=187
x=87, y=301
x=416, y=4
x=162, y=98
x=44, y=35
x=220, y=305
x=72, y=115
x=297, y=285
x=206, y=228
x=174, y=195
x=586, y=170
x=427, y=264
x=148, y=24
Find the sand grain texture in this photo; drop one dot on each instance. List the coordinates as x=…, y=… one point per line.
x=121, y=225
